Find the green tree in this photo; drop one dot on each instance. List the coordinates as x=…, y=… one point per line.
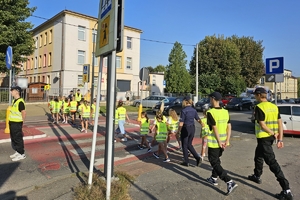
x=151, y=69
x=15, y=31
x=207, y=85
x=251, y=54
x=220, y=57
x=160, y=68
x=177, y=77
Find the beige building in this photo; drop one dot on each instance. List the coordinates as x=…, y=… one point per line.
x=287, y=89
x=156, y=83
x=64, y=43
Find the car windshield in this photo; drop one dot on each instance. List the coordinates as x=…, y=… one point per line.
x=204, y=100
x=169, y=99
x=236, y=100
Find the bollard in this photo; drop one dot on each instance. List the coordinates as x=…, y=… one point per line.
x=7, y=120
x=140, y=111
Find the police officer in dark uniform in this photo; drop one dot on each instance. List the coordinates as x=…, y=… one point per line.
x=186, y=127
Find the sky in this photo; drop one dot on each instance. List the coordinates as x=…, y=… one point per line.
x=163, y=22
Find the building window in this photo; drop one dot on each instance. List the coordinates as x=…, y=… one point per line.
x=262, y=81
x=129, y=63
x=118, y=62
x=36, y=42
x=45, y=61
x=94, y=36
x=35, y=62
x=40, y=61
x=28, y=64
x=43, y=79
x=48, y=79
x=129, y=40
x=34, y=79
x=30, y=80
x=81, y=33
x=50, y=36
x=41, y=40
x=49, y=60
x=95, y=81
x=95, y=59
x=45, y=41
x=81, y=57
x=39, y=79
x=79, y=81
x=32, y=63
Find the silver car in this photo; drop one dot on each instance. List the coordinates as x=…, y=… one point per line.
x=150, y=101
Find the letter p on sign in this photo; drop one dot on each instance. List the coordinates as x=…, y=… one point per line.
x=274, y=65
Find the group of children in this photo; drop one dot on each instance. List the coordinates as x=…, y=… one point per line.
x=163, y=130
x=62, y=108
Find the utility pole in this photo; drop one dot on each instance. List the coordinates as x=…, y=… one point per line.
x=197, y=71
x=93, y=66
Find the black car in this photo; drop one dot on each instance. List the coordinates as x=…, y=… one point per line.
x=175, y=105
x=199, y=105
x=239, y=103
x=167, y=102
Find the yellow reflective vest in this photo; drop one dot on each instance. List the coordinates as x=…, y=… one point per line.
x=221, y=118
x=78, y=97
x=205, y=129
x=66, y=108
x=15, y=115
x=144, y=128
x=122, y=113
x=73, y=106
x=173, y=126
x=271, y=119
x=86, y=111
x=162, y=132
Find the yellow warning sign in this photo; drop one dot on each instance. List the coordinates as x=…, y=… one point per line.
x=85, y=78
x=104, y=32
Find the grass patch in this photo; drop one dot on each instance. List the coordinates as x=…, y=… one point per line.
x=2, y=114
x=119, y=189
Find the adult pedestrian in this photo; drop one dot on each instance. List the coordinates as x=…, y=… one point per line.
x=16, y=118
x=71, y=96
x=268, y=128
x=217, y=140
x=187, y=128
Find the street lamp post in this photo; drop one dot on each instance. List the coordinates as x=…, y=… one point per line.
x=93, y=65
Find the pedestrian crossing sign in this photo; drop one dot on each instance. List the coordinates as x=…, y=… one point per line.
x=104, y=32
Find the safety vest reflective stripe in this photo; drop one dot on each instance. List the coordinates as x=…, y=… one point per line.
x=116, y=117
x=122, y=113
x=15, y=115
x=73, y=105
x=161, y=132
x=56, y=107
x=144, y=126
x=271, y=119
x=173, y=126
x=66, y=107
x=78, y=97
x=221, y=118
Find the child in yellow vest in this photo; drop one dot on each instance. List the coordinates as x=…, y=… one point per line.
x=73, y=110
x=164, y=119
x=66, y=110
x=85, y=115
x=60, y=101
x=173, y=127
x=203, y=134
x=80, y=112
x=55, y=110
x=51, y=105
x=144, y=130
x=161, y=135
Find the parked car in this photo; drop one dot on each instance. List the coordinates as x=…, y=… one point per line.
x=240, y=103
x=150, y=101
x=279, y=101
x=166, y=101
x=290, y=115
x=175, y=105
x=207, y=106
x=227, y=98
x=201, y=103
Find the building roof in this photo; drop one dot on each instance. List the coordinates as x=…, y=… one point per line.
x=64, y=12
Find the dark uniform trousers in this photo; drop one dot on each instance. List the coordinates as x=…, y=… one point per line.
x=214, y=155
x=187, y=136
x=264, y=152
x=16, y=136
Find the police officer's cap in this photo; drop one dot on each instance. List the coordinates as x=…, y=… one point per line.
x=16, y=88
x=259, y=90
x=216, y=96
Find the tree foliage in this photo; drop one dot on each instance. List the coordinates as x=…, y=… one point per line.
x=236, y=61
x=160, y=68
x=15, y=30
x=177, y=77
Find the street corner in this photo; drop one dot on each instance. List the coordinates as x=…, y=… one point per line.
x=28, y=133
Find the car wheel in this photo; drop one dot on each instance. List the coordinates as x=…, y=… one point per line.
x=241, y=108
x=137, y=104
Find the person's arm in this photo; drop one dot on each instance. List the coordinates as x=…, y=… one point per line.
x=22, y=110
x=280, y=133
x=228, y=131
x=127, y=117
x=181, y=121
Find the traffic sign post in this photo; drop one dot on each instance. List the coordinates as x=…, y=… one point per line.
x=86, y=73
x=274, y=72
x=8, y=61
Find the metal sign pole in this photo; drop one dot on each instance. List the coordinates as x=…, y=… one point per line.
x=9, y=94
x=92, y=160
x=197, y=72
x=275, y=88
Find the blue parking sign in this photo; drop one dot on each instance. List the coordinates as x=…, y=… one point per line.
x=274, y=65
x=8, y=57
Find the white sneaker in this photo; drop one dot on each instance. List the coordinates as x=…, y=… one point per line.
x=14, y=155
x=19, y=157
x=82, y=130
x=124, y=139
x=85, y=131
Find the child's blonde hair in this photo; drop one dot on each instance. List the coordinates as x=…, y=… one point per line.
x=173, y=114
